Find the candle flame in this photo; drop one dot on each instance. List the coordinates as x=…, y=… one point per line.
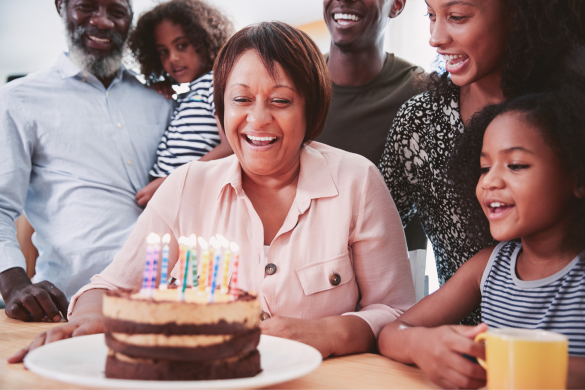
x=234, y=247
x=223, y=241
x=166, y=238
x=182, y=240
x=192, y=240
x=215, y=243
x=153, y=239
x=204, y=245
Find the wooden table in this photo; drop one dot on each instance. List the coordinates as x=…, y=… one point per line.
x=349, y=372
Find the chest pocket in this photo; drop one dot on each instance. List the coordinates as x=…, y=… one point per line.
x=326, y=275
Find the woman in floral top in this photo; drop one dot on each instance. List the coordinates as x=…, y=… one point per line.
x=490, y=56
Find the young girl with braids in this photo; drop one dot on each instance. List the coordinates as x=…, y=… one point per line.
x=177, y=42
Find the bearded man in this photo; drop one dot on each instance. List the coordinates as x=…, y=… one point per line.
x=76, y=143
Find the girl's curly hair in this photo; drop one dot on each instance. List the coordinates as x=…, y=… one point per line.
x=206, y=27
x=559, y=115
x=542, y=33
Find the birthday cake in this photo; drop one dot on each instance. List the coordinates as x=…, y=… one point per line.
x=160, y=337
x=209, y=330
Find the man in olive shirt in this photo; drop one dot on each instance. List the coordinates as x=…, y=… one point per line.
x=369, y=85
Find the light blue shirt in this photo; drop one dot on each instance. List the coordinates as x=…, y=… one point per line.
x=73, y=154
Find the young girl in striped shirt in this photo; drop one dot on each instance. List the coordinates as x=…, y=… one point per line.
x=174, y=43
x=524, y=161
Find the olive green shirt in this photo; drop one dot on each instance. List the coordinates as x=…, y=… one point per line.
x=360, y=117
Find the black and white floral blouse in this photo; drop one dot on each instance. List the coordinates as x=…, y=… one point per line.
x=423, y=137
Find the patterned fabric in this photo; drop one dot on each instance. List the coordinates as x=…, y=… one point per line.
x=555, y=303
x=192, y=132
x=422, y=140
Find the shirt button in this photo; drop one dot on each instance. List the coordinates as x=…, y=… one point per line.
x=119, y=125
x=107, y=94
x=264, y=316
x=85, y=75
x=270, y=269
x=335, y=279
x=129, y=162
x=83, y=80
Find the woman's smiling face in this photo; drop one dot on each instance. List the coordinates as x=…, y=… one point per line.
x=471, y=35
x=264, y=117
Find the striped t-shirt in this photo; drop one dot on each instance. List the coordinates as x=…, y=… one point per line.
x=555, y=303
x=192, y=131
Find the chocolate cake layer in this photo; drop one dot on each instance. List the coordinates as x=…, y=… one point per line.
x=123, y=367
x=130, y=327
x=237, y=344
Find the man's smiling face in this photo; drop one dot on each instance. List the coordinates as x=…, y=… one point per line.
x=99, y=26
x=354, y=24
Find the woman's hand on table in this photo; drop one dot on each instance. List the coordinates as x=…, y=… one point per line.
x=439, y=353
x=331, y=336
x=80, y=326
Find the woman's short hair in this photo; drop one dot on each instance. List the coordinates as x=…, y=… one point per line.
x=206, y=28
x=295, y=52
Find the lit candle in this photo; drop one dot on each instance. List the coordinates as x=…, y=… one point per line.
x=234, y=279
x=204, y=260
x=226, y=261
x=213, y=246
x=165, y=262
x=193, y=250
x=149, y=254
x=183, y=266
x=154, y=263
x=217, y=248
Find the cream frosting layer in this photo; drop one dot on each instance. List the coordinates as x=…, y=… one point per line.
x=128, y=359
x=160, y=340
x=195, y=310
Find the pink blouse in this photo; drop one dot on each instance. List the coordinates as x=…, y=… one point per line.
x=342, y=220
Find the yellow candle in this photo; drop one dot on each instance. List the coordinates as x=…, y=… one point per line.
x=204, y=263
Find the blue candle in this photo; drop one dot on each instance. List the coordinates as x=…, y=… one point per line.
x=154, y=263
x=165, y=262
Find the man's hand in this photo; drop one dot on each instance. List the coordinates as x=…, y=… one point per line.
x=31, y=302
x=163, y=88
x=144, y=195
x=439, y=353
x=85, y=325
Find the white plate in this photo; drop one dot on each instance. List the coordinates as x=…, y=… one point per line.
x=82, y=360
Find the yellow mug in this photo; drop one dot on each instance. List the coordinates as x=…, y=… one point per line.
x=525, y=359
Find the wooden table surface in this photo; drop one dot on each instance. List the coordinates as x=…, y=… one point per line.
x=365, y=371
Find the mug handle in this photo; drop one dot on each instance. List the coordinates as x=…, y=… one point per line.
x=481, y=337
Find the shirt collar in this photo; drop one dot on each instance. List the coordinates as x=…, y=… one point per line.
x=315, y=179
x=67, y=69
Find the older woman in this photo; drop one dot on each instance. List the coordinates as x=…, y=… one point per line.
x=301, y=211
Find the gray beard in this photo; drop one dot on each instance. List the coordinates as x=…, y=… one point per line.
x=100, y=67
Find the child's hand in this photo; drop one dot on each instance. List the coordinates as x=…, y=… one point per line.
x=163, y=88
x=440, y=355
x=144, y=195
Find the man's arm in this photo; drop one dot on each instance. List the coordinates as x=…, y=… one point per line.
x=24, y=300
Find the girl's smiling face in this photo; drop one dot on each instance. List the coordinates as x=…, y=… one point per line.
x=471, y=36
x=177, y=55
x=525, y=189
